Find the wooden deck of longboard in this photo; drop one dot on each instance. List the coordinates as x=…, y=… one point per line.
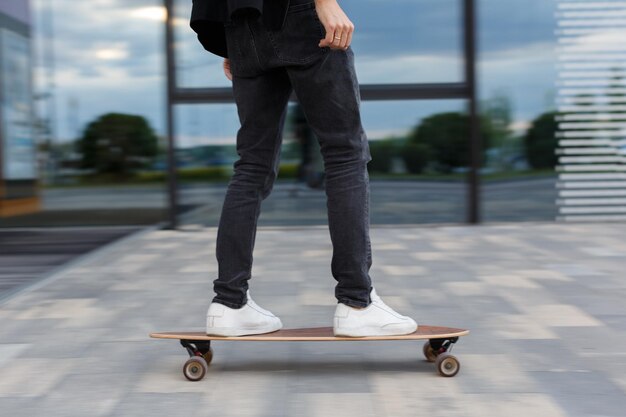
x=316, y=334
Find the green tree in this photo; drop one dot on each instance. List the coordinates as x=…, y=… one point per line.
x=117, y=144
x=540, y=141
x=416, y=157
x=446, y=137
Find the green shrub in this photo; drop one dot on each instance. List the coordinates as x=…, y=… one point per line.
x=212, y=173
x=204, y=173
x=288, y=170
x=150, y=176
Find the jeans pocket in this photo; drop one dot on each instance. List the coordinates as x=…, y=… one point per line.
x=297, y=41
x=241, y=48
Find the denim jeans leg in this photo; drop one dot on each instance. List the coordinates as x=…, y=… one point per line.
x=262, y=106
x=329, y=93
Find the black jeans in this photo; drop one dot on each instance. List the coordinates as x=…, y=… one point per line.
x=266, y=66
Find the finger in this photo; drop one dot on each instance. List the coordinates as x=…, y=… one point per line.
x=349, y=37
x=345, y=35
x=337, y=38
x=330, y=33
x=324, y=41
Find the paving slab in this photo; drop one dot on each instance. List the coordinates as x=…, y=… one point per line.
x=543, y=301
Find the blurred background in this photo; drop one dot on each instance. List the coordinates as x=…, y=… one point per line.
x=84, y=133
x=84, y=116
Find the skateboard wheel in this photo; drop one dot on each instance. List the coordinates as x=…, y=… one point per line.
x=429, y=352
x=208, y=357
x=195, y=368
x=447, y=365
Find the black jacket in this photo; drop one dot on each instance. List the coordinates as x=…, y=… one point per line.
x=208, y=17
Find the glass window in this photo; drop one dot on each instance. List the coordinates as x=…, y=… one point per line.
x=411, y=42
x=417, y=172
x=407, y=41
x=516, y=81
x=195, y=67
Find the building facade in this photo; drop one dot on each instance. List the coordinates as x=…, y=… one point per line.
x=18, y=167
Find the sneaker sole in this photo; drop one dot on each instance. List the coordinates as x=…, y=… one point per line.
x=229, y=331
x=389, y=330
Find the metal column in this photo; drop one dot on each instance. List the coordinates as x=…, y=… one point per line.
x=475, y=156
x=172, y=183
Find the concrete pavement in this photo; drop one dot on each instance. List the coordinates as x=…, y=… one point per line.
x=544, y=303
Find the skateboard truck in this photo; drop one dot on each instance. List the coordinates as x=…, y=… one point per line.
x=443, y=345
x=196, y=347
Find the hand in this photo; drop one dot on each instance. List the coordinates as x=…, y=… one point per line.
x=338, y=27
x=226, y=66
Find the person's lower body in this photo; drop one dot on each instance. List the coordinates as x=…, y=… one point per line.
x=266, y=67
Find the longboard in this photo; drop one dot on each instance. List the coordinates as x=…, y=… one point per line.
x=439, y=342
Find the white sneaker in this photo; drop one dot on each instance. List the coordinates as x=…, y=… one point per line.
x=222, y=320
x=377, y=319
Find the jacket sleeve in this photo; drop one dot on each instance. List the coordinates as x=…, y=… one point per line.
x=206, y=22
